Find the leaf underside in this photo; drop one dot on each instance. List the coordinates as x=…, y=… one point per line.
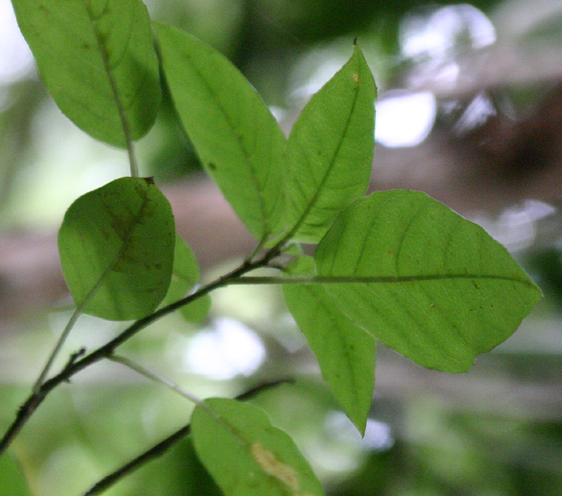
x=329, y=153
x=344, y=350
x=98, y=62
x=236, y=137
x=116, y=245
x=413, y=274
x=424, y=280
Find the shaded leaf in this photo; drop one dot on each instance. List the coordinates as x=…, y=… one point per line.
x=246, y=455
x=116, y=245
x=198, y=310
x=344, y=350
x=304, y=265
x=185, y=275
x=235, y=135
x=422, y=279
x=98, y=62
x=330, y=150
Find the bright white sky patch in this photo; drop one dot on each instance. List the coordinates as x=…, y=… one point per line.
x=15, y=57
x=226, y=350
x=438, y=42
x=446, y=31
x=404, y=118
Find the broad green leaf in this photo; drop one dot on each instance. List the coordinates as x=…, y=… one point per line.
x=330, y=150
x=185, y=275
x=422, y=279
x=344, y=350
x=98, y=62
x=235, y=135
x=116, y=245
x=246, y=455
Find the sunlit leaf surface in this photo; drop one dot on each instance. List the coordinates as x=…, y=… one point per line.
x=344, y=350
x=330, y=151
x=236, y=137
x=423, y=280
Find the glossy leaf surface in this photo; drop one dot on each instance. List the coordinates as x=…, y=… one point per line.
x=117, y=248
x=246, y=455
x=330, y=150
x=98, y=62
x=423, y=280
x=237, y=138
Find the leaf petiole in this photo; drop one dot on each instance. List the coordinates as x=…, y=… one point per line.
x=153, y=376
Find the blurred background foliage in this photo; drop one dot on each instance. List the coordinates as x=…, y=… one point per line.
x=469, y=111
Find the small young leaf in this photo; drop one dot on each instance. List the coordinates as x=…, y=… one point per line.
x=304, y=265
x=330, y=150
x=246, y=455
x=344, y=350
x=236, y=136
x=185, y=275
x=197, y=311
x=422, y=279
x=116, y=245
x=98, y=62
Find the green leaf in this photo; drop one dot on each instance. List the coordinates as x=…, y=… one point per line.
x=236, y=137
x=12, y=477
x=344, y=350
x=304, y=265
x=98, y=62
x=116, y=245
x=185, y=275
x=246, y=455
x=197, y=311
x=330, y=150
x=422, y=279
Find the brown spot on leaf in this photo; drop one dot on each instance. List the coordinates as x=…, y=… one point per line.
x=270, y=464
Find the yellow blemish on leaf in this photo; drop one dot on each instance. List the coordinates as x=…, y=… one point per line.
x=270, y=464
x=356, y=77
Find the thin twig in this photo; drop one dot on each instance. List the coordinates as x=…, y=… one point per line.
x=58, y=346
x=73, y=367
x=163, y=446
x=149, y=374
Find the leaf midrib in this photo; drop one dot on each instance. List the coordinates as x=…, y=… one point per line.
x=377, y=279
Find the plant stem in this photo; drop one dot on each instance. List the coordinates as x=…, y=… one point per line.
x=164, y=445
x=74, y=366
x=75, y=316
x=155, y=377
